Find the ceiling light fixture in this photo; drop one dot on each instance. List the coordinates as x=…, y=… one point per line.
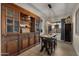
x=49, y=5
x=49, y=9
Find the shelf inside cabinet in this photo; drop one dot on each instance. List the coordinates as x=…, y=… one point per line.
x=25, y=23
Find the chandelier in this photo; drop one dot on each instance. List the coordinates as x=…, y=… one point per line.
x=50, y=12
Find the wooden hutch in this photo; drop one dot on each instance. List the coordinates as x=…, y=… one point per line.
x=20, y=29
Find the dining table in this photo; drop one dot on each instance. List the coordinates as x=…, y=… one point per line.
x=48, y=42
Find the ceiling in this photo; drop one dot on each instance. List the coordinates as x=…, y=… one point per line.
x=58, y=10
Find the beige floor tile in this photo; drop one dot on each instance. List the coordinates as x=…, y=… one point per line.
x=62, y=49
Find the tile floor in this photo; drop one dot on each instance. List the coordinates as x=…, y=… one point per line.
x=62, y=49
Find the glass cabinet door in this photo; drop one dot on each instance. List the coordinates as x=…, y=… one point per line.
x=16, y=26
x=9, y=28
x=9, y=24
x=10, y=12
x=16, y=15
x=16, y=22
x=12, y=20
x=9, y=20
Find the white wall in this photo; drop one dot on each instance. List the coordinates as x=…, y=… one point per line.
x=42, y=26
x=0, y=28
x=75, y=37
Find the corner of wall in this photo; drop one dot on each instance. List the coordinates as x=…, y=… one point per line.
x=0, y=28
x=75, y=37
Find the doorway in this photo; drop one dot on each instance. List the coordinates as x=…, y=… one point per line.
x=66, y=31
x=55, y=28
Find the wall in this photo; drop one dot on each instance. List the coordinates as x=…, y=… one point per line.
x=75, y=37
x=42, y=27
x=0, y=28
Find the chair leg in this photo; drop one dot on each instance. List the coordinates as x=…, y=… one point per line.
x=51, y=49
x=42, y=48
x=48, y=51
